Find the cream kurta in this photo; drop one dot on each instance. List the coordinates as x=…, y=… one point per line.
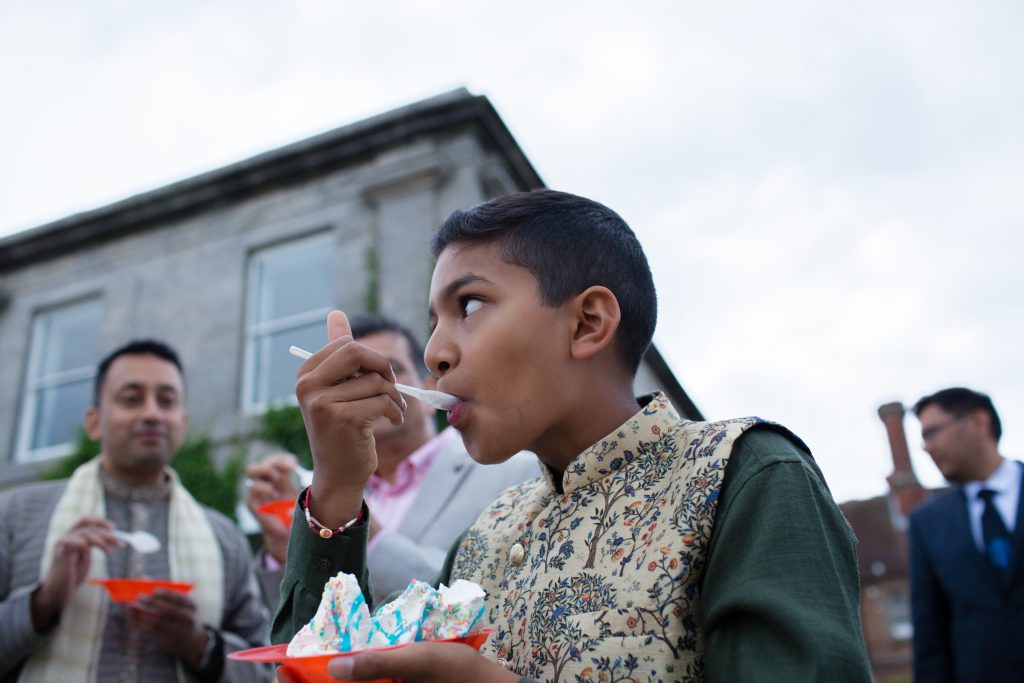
x=601, y=582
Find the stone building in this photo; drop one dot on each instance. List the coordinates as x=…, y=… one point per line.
x=233, y=266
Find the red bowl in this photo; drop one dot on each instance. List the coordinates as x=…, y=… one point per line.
x=126, y=590
x=282, y=508
x=313, y=668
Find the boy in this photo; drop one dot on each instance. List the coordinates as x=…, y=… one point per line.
x=651, y=549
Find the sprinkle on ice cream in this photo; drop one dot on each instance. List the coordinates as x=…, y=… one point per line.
x=343, y=623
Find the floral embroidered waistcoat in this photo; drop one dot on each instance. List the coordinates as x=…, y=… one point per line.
x=601, y=582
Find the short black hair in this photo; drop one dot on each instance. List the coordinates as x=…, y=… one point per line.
x=568, y=243
x=138, y=347
x=960, y=401
x=371, y=323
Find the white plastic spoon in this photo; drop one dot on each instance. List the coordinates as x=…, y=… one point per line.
x=434, y=399
x=143, y=541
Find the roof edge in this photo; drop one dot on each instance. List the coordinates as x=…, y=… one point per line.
x=659, y=366
x=281, y=166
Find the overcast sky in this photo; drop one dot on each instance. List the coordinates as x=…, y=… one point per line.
x=829, y=193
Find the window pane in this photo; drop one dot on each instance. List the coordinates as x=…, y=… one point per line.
x=898, y=607
x=275, y=367
x=59, y=412
x=293, y=280
x=69, y=338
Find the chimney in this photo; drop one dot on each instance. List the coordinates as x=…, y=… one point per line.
x=904, y=488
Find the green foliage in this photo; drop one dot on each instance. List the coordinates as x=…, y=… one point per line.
x=85, y=450
x=217, y=489
x=372, y=280
x=283, y=425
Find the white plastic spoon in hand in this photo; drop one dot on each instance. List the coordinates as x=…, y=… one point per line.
x=143, y=541
x=434, y=399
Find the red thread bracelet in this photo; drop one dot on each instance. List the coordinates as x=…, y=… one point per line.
x=323, y=531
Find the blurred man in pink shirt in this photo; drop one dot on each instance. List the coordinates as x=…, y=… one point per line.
x=425, y=492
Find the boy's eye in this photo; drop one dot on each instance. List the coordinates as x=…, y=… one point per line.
x=470, y=305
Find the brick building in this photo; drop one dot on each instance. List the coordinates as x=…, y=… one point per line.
x=880, y=524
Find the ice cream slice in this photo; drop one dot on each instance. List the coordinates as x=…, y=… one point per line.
x=342, y=622
x=458, y=608
x=399, y=621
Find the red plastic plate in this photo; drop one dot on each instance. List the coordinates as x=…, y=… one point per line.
x=313, y=668
x=126, y=590
x=282, y=508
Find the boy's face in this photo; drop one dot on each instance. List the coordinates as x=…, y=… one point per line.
x=500, y=350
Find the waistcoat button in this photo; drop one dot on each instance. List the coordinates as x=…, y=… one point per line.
x=516, y=554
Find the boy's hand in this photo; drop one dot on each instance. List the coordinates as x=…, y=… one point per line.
x=342, y=390
x=419, y=663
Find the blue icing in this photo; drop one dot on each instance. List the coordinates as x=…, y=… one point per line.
x=479, y=614
x=343, y=642
x=354, y=619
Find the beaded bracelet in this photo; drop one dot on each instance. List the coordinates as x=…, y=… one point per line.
x=323, y=531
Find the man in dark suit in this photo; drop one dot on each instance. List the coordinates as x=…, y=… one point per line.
x=965, y=547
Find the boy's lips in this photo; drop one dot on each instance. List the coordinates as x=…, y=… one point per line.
x=457, y=415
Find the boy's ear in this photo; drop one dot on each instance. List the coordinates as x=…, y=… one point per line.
x=597, y=320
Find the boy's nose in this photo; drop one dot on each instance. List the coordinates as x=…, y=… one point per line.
x=439, y=355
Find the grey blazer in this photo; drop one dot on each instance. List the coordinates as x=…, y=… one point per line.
x=454, y=492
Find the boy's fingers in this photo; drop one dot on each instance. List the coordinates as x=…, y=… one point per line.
x=347, y=362
x=410, y=662
x=337, y=325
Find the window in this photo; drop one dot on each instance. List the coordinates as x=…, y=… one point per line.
x=898, y=610
x=58, y=387
x=291, y=290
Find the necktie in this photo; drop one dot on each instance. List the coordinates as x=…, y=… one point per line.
x=995, y=535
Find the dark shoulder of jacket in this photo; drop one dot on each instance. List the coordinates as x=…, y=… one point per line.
x=766, y=445
x=936, y=504
x=770, y=442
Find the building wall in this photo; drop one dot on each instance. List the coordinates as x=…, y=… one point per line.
x=184, y=281
x=173, y=264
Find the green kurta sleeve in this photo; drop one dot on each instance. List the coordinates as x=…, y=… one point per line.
x=311, y=562
x=780, y=599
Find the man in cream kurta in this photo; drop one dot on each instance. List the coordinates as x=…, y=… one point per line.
x=55, y=624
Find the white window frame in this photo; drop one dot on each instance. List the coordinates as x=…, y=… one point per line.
x=256, y=327
x=897, y=615
x=36, y=382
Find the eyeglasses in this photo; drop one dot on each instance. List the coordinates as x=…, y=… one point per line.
x=931, y=432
